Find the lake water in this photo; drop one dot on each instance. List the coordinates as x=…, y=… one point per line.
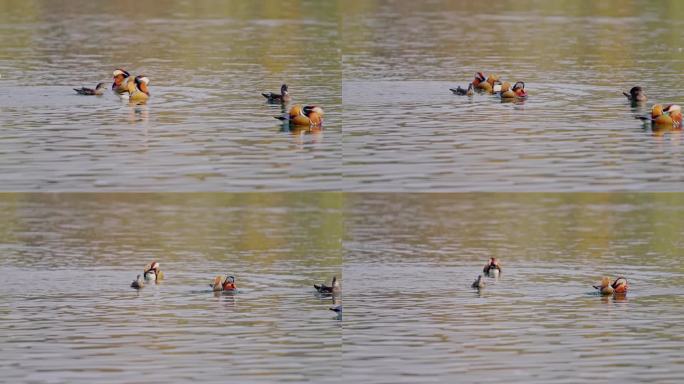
x=405, y=131
x=413, y=317
x=206, y=126
x=67, y=313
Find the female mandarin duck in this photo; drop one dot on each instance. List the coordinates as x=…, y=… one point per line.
x=281, y=97
x=138, y=283
x=479, y=283
x=221, y=284
x=152, y=272
x=138, y=90
x=492, y=268
x=462, y=91
x=121, y=80
x=308, y=115
x=333, y=289
x=635, y=95
x=98, y=91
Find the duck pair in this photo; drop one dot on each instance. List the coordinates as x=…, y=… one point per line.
x=491, y=269
x=151, y=273
x=303, y=116
x=224, y=284
x=492, y=85
x=618, y=287
x=134, y=89
x=333, y=289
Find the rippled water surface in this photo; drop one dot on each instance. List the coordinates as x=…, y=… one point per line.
x=206, y=126
x=67, y=313
x=412, y=316
x=404, y=130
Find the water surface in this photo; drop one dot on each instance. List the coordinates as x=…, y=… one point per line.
x=206, y=126
x=412, y=316
x=405, y=131
x=67, y=313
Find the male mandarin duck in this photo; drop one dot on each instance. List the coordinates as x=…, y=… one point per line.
x=138, y=90
x=519, y=89
x=281, y=97
x=479, y=283
x=636, y=94
x=138, y=283
x=152, y=272
x=308, y=115
x=675, y=113
x=121, y=80
x=492, y=268
x=462, y=91
x=98, y=91
x=620, y=285
x=221, y=284
x=488, y=86
x=334, y=288
x=479, y=78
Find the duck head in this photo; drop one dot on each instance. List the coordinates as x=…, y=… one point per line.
x=119, y=75
x=283, y=89
x=479, y=77
x=675, y=112
x=637, y=94
x=99, y=86
x=620, y=285
x=335, y=282
x=519, y=89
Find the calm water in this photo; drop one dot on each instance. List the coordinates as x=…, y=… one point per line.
x=67, y=313
x=405, y=131
x=206, y=127
x=412, y=316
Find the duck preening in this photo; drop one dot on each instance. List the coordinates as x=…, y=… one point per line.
x=334, y=288
x=281, y=97
x=636, y=94
x=98, y=91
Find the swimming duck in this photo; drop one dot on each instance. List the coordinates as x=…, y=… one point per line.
x=98, y=91
x=138, y=283
x=138, y=90
x=152, y=272
x=121, y=80
x=334, y=288
x=281, y=97
x=479, y=78
x=492, y=268
x=636, y=94
x=620, y=286
x=488, y=86
x=308, y=115
x=479, y=283
x=605, y=288
x=462, y=91
x=224, y=284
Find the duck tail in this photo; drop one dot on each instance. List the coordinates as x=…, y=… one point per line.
x=266, y=95
x=281, y=118
x=627, y=95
